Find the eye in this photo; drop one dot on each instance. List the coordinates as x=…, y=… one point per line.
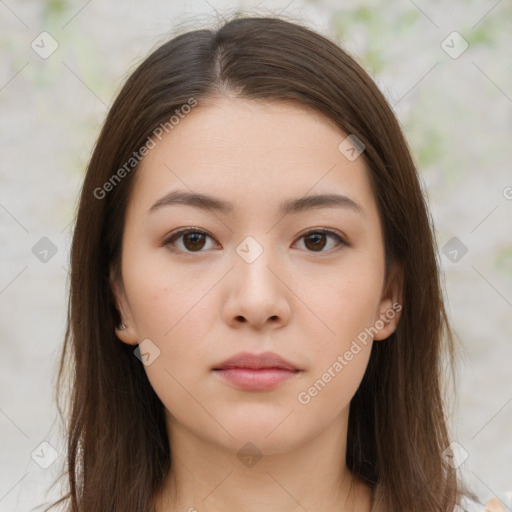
x=194, y=240
x=315, y=239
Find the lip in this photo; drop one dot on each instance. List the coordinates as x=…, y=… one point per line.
x=256, y=380
x=256, y=362
x=256, y=372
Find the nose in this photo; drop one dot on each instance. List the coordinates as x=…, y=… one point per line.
x=258, y=294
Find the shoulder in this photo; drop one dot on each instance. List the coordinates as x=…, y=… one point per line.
x=468, y=505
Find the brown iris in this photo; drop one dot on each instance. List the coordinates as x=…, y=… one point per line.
x=194, y=241
x=317, y=243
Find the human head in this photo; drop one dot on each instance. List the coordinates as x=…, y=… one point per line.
x=400, y=389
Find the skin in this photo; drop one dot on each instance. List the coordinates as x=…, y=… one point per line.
x=199, y=308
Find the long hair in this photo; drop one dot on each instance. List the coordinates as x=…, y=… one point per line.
x=117, y=447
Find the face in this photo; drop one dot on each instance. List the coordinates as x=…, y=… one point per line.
x=305, y=282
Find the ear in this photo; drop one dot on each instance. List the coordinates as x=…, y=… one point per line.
x=127, y=334
x=390, y=306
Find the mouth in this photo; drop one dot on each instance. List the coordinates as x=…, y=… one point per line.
x=256, y=372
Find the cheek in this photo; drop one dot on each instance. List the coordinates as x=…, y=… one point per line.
x=341, y=349
x=174, y=310
x=345, y=298
x=347, y=301
x=165, y=299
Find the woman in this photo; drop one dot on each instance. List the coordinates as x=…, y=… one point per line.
x=256, y=320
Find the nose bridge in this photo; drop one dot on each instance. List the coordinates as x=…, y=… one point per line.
x=251, y=248
x=258, y=294
x=254, y=258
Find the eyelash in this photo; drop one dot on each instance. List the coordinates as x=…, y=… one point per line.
x=185, y=231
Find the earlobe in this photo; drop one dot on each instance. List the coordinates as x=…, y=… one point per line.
x=391, y=305
x=124, y=330
x=126, y=335
x=387, y=320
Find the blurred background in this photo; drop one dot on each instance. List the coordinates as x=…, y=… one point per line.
x=447, y=74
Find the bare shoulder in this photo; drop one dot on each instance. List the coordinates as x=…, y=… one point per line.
x=469, y=505
x=494, y=505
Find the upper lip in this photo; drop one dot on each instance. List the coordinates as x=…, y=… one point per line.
x=256, y=361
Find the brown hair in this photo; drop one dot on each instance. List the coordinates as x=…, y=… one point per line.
x=118, y=451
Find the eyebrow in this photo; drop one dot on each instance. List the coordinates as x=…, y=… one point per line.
x=292, y=206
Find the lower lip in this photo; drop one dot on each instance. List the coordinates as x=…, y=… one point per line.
x=256, y=380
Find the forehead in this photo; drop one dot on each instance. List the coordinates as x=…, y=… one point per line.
x=245, y=150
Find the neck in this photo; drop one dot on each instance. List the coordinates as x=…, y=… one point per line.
x=207, y=477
